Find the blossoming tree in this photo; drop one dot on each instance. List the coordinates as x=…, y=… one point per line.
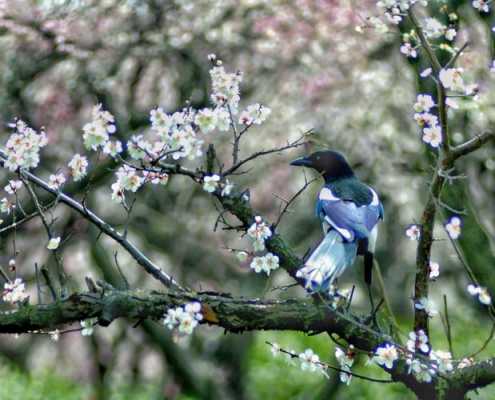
x=184, y=144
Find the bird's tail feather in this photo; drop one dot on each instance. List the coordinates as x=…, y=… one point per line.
x=327, y=262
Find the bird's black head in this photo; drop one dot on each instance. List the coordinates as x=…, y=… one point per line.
x=331, y=164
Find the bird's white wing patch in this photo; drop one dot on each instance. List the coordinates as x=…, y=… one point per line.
x=344, y=232
x=326, y=194
x=372, y=239
x=375, y=201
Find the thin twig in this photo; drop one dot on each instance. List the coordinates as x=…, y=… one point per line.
x=298, y=142
x=328, y=366
x=106, y=228
x=291, y=200
x=447, y=325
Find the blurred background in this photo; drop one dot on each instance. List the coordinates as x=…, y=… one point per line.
x=305, y=60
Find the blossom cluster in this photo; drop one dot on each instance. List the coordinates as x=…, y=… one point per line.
x=213, y=182
x=432, y=132
x=23, y=147
x=183, y=318
x=452, y=79
x=309, y=361
x=481, y=5
x=418, y=341
x=395, y=9
x=427, y=305
x=96, y=133
x=423, y=368
x=267, y=263
x=87, y=326
x=14, y=292
x=259, y=232
x=345, y=360
x=482, y=293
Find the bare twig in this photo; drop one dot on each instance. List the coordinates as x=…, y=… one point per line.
x=291, y=200
x=106, y=228
x=448, y=329
x=328, y=366
x=298, y=142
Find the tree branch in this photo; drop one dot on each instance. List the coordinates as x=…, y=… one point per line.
x=233, y=314
x=472, y=144
x=140, y=258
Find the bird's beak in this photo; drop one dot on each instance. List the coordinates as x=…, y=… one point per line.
x=302, y=162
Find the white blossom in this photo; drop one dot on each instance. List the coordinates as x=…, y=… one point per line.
x=156, y=178
x=258, y=264
x=481, y=5
x=451, y=78
x=443, y=360
x=424, y=103
x=259, y=230
x=425, y=73
x=432, y=136
x=206, y=119
x=14, y=292
x=53, y=243
x=225, y=87
x=433, y=28
x=421, y=371
x=408, y=50
x=23, y=147
x=482, y=293
x=254, y=114
x=427, y=305
x=112, y=148
x=211, y=183
x=227, y=188
x=450, y=34
x=453, y=227
x=434, y=270
x=311, y=362
x=346, y=360
x=183, y=318
x=78, y=166
x=418, y=341
x=127, y=179
x=88, y=326
x=413, y=232
x=55, y=181
x=96, y=133
x=386, y=355
x=13, y=186
x=426, y=119
x=271, y=262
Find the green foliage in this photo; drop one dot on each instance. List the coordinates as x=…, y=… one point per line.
x=19, y=385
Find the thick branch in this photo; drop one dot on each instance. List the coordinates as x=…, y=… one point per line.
x=233, y=314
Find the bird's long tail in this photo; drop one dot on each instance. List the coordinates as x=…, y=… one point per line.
x=327, y=262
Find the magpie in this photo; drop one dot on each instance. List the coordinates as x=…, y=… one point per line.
x=349, y=211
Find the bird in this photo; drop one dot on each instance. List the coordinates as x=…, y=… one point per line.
x=350, y=212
